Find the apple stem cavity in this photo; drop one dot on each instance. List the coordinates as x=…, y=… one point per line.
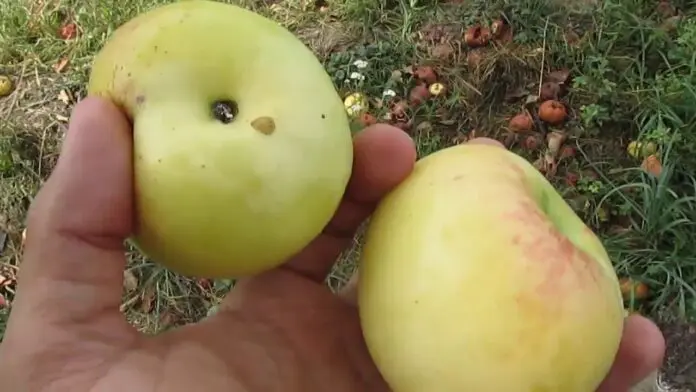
x=225, y=110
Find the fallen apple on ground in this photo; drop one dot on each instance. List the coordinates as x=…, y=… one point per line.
x=242, y=147
x=477, y=276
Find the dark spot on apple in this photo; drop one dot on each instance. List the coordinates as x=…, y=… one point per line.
x=203, y=166
x=264, y=124
x=225, y=110
x=159, y=160
x=323, y=116
x=140, y=99
x=156, y=48
x=130, y=74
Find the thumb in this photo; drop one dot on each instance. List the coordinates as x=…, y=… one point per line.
x=73, y=262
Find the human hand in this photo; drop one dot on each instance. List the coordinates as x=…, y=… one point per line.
x=280, y=331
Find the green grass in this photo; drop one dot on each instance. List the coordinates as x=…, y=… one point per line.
x=632, y=78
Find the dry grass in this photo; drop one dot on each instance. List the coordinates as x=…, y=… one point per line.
x=632, y=80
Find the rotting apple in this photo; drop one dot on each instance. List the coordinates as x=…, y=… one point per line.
x=5, y=86
x=476, y=275
x=242, y=146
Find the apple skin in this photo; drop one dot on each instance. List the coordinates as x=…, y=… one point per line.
x=477, y=276
x=218, y=199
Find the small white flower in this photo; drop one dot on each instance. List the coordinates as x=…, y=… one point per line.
x=355, y=109
x=360, y=64
x=357, y=76
x=388, y=93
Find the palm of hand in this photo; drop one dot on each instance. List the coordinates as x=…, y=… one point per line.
x=280, y=331
x=277, y=332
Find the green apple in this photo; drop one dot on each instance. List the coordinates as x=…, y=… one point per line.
x=242, y=147
x=477, y=276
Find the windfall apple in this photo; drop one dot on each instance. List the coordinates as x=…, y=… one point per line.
x=242, y=147
x=477, y=276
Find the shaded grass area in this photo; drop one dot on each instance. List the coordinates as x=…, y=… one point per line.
x=632, y=76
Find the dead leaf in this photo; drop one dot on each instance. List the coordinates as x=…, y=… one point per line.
x=398, y=110
x=62, y=118
x=147, y=300
x=167, y=319
x=571, y=179
x=547, y=165
x=652, y=165
x=442, y=51
x=3, y=240
x=473, y=133
x=424, y=126
x=432, y=33
x=555, y=140
x=506, y=37
x=321, y=5
x=460, y=139
x=531, y=142
x=418, y=95
x=665, y=9
x=64, y=97
x=671, y=24
x=61, y=64
x=501, y=31
x=205, y=284
x=531, y=99
x=513, y=95
x=130, y=281
x=404, y=125
x=551, y=164
x=540, y=164
x=567, y=152
x=426, y=74
x=508, y=139
x=558, y=76
x=549, y=90
x=68, y=31
x=571, y=37
x=367, y=119
x=474, y=58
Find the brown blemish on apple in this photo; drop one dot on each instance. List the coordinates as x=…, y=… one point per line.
x=264, y=124
x=140, y=99
x=544, y=243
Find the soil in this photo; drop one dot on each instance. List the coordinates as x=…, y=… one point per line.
x=679, y=369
